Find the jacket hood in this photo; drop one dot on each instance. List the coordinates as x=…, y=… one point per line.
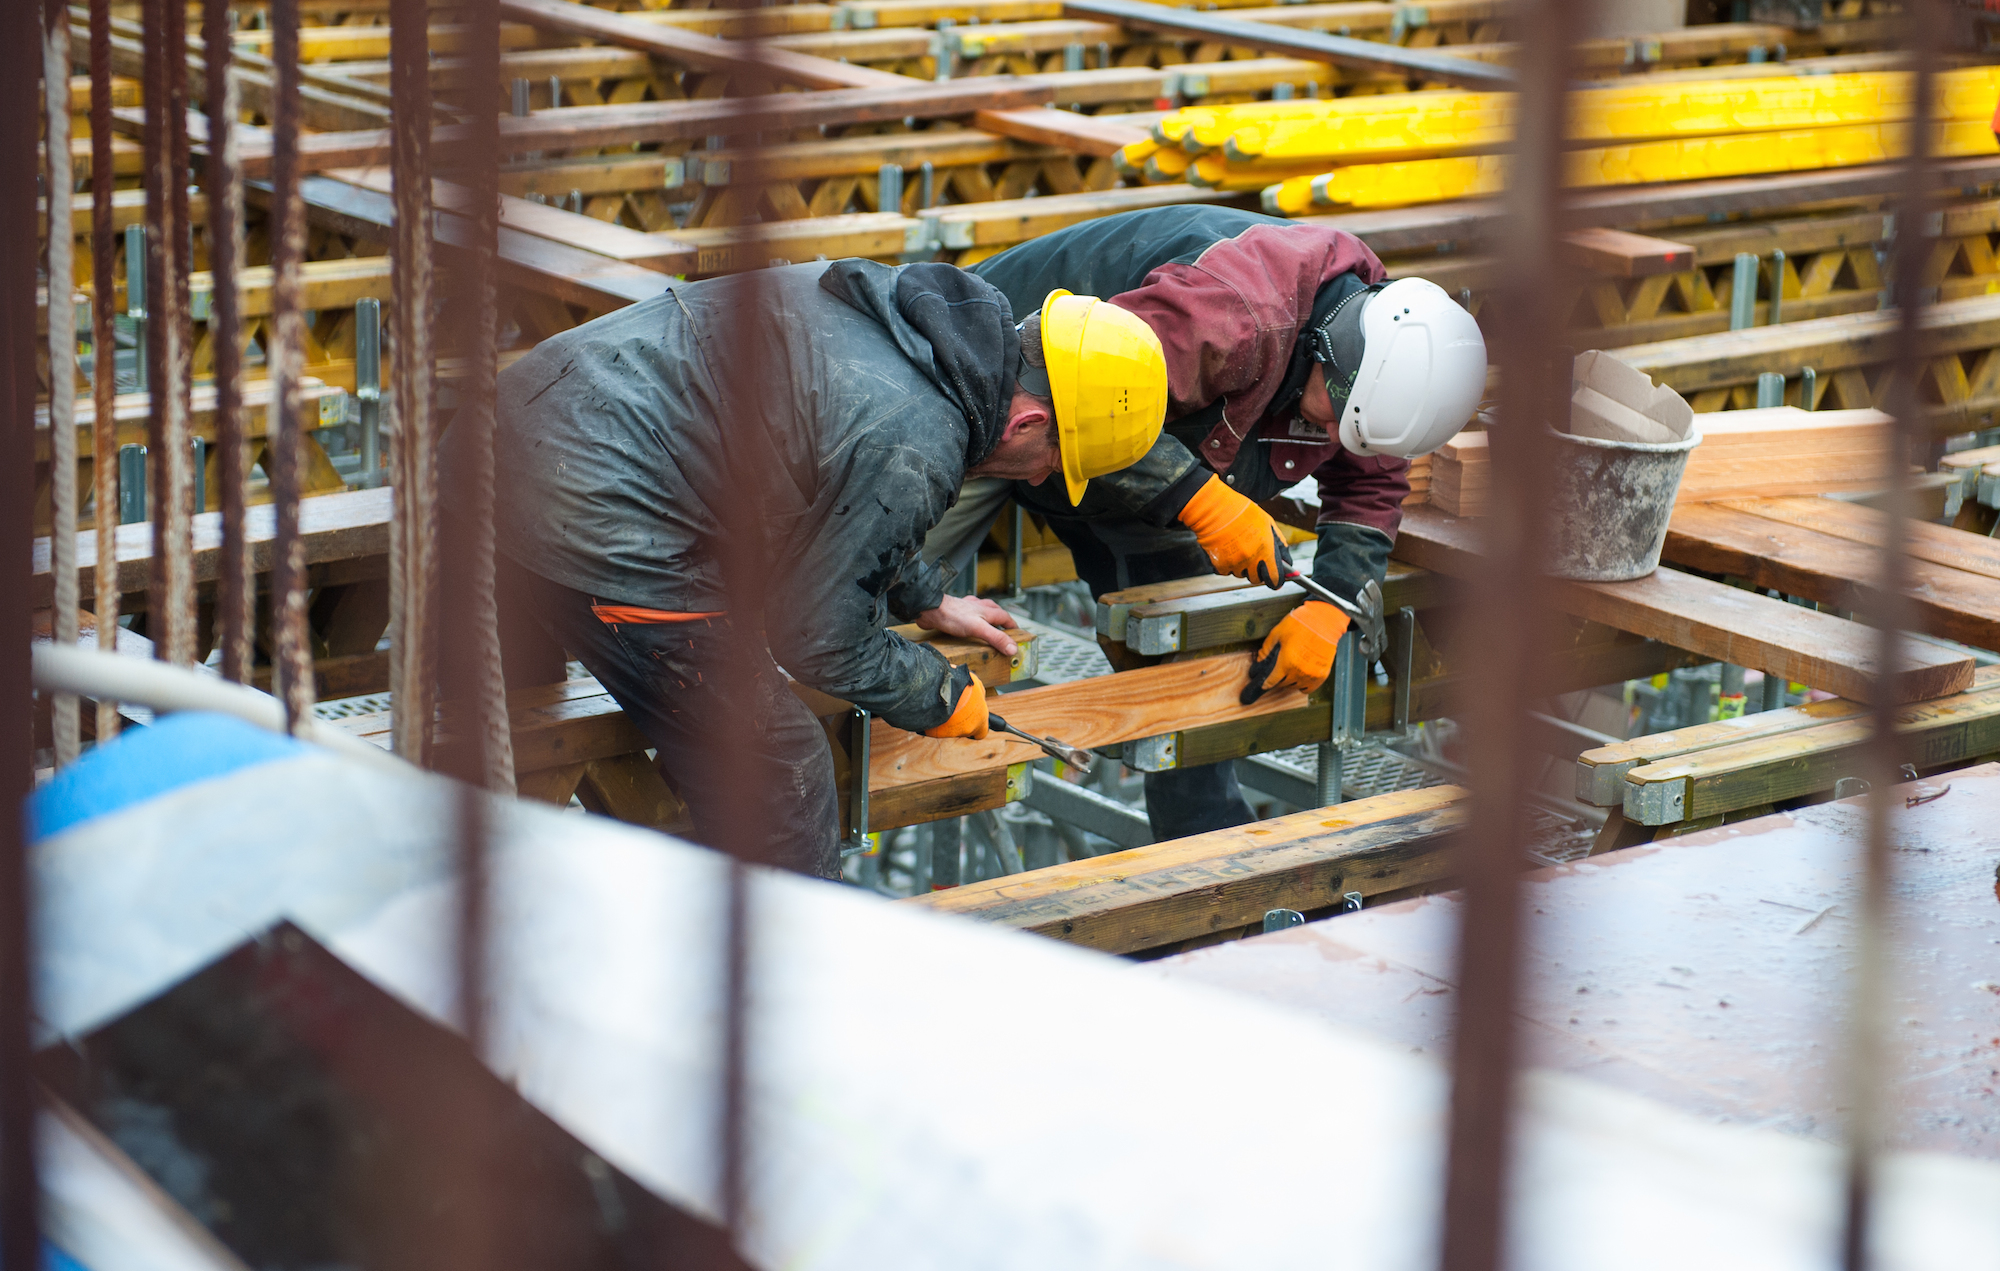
x=956, y=328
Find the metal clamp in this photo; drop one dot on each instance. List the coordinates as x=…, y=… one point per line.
x=1347, y=687
x=857, y=784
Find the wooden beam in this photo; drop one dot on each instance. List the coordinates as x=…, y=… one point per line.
x=1367, y=55
x=1726, y=624
x=702, y=52
x=577, y=127
x=1139, y=899
x=1939, y=544
x=1007, y=221
x=1084, y=134
x=1615, y=253
x=1102, y=711
x=331, y=527
x=1798, y=763
x=556, y=269
x=1833, y=571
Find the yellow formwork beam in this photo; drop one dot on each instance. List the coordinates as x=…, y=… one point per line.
x=1413, y=126
x=1749, y=154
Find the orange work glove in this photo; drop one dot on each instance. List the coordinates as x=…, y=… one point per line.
x=1239, y=537
x=968, y=718
x=1299, y=651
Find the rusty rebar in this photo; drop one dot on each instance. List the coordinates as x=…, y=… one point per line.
x=1887, y=607
x=412, y=453
x=20, y=1199
x=60, y=184
x=171, y=606
x=292, y=663
x=1510, y=603
x=477, y=690
x=104, y=349
x=236, y=587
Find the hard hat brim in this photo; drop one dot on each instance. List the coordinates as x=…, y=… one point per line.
x=1062, y=392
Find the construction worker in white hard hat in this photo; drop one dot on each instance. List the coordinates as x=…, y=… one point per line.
x=853, y=399
x=1288, y=356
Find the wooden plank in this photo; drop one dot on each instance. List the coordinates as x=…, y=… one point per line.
x=1082, y=134
x=331, y=527
x=1632, y=207
x=1601, y=772
x=556, y=269
x=1938, y=544
x=1149, y=896
x=1366, y=55
x=1833, y=571
x=1202, y=621
x=860, y=156
x=702, y=52
x=574, y=127
x=1826, y=344
x=1725, y=624
x=1795, y=764
x=1621, y=254
x=1007, y=221
x=1101, y=711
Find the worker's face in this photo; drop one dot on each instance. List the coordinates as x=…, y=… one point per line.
x=1028, y=449
x=1316, y=404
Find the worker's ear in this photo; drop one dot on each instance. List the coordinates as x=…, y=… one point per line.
x=1027, y=415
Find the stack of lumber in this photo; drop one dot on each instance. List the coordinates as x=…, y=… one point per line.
x=1459, y=475
x=1744, y=454
x=1781, y=450
x=1420, y=481
x=1424, y=147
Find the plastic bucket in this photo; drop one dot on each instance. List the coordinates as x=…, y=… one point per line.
x=1613, y=502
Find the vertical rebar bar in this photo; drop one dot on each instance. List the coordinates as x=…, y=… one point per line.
x=60, y=183
x=291, y=669
x=170, y=615
x=413, y=471
x=20, y=1199
x=236, y=586
x=1887, y=608
x=1510, y=604
x=475, y=688
x=104, y=350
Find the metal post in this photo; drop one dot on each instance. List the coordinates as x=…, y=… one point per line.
x=1774, y=691
x=1073, y=57
x=1345, y=689
x=927, y=185
x=946, y=44
x=1770, y=389
x=1281, y=92
x=131, y=484
x=1402, y=663
x=555, y=91
x=1808, y=389
x=857, y=783
x=889, y=188
x=520, y=102
x=368, y=386
x=200, y=471
x=1777, y=288
x=1103, y=54
x=104, y=345
x=1743, y=293
x=135, y=302
x=1729, y=702
x=946, y=844
x=1014, y=574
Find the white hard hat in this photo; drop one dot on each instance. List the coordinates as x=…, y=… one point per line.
x=1423, y=371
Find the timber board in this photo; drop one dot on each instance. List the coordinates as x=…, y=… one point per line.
x=1725, y=624
x=1838, y=572
x=1140, y=899
x=1939, y=544
x=1804, y=762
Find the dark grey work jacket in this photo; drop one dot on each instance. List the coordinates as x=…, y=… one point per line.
x=615, y=442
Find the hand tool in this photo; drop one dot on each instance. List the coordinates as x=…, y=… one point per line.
x=1074, y=756
x=1366, y=614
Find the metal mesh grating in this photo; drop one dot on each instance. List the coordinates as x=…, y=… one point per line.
x=1369, y=770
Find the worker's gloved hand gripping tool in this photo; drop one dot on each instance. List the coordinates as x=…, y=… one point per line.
x=1364, y=612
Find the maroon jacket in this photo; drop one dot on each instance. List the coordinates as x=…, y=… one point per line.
x=1227, y=292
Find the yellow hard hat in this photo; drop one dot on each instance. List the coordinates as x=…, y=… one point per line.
x=1108, y=380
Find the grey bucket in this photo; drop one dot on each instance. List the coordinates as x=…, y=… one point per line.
x=1613, y=502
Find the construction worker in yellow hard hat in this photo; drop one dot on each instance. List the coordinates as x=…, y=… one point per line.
x=624, y=449
x=1102, y=370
